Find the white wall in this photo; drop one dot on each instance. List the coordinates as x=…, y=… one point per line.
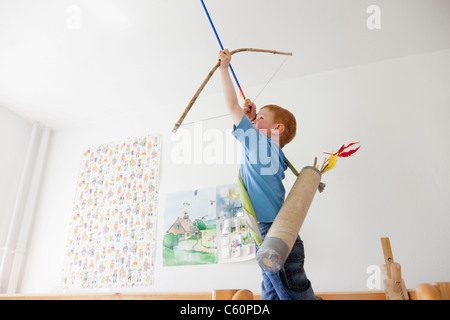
x=14, y=135
x=396, y=185
x=14, y=139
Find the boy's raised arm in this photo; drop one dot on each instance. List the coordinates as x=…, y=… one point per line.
x=229, y=92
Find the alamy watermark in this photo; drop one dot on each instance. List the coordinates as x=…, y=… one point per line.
x=73, y=21
x=373, y=282
x=215, y=147
x=373, y=22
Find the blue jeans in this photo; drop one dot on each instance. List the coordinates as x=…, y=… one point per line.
x=290, y=283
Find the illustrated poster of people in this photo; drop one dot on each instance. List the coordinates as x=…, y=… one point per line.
x=111, y=241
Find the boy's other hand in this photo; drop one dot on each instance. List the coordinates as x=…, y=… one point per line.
x=224, y=58
x=249, y=109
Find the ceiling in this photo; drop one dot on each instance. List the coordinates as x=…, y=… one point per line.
x=65, y=63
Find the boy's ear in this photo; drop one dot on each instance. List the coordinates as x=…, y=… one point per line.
x=279, y=129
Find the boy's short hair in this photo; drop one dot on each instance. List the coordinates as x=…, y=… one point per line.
x=285, y=117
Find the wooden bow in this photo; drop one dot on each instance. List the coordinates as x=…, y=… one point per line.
x=194, y=98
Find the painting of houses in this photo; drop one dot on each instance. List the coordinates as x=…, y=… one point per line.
x=206, y=226
x=184, y=228
x=190, y=228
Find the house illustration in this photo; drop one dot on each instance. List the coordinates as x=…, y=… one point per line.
x=184, y=228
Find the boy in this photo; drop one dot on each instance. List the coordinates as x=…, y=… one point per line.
x=262, y=136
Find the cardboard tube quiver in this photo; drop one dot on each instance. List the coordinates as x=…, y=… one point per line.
x=280, y=239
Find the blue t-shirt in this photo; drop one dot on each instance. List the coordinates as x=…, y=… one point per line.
x=262, y=170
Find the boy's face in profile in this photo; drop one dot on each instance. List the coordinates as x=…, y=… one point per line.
x=264, y=122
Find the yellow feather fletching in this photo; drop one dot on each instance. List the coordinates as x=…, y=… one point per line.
x=332, y=161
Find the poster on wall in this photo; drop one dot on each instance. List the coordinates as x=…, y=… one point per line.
x=190, y=228
x=112, y=231
x=206, y=226
x=234, y=240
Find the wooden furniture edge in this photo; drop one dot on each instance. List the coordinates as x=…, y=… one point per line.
x=350, y=295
